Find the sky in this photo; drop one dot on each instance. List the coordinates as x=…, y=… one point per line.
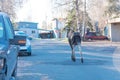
x=35, y=10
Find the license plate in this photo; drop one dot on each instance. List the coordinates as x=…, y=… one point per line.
x=22, y=41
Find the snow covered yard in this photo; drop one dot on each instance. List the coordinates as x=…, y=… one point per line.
x=51, y=60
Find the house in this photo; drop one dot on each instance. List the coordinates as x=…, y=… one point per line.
x=57, y=26
x=115, y=30
x=29, y=27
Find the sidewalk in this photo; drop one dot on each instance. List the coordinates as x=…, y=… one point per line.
x=116, y=58
x=101, y=43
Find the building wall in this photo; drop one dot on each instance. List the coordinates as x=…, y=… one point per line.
x=30, y=25
x=57, y=26
x=115, y=32
x=31, y=32
x=30, y=28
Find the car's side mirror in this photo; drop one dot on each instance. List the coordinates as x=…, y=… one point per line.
x=30, y=38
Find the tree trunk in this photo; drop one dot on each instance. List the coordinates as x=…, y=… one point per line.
x=79, y=28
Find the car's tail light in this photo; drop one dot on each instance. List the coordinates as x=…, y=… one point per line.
x=1, y=63
x=2, y=59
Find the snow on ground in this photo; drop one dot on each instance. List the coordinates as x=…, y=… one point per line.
x=51, y=60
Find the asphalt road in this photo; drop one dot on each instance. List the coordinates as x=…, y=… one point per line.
x=51, y=60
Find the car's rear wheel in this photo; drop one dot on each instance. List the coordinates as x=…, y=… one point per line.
x=106, y=38
x=89, y=39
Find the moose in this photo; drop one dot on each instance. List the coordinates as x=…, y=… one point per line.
x=74, y=39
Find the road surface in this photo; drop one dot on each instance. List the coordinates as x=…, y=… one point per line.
x=51, y=60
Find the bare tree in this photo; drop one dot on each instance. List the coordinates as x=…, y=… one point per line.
x=9, y=7
x=113, y=8
x=96, y=10
x=102, y=10
x=70, y=6
x=77, y=15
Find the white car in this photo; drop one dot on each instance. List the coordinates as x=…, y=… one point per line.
x=24, y=42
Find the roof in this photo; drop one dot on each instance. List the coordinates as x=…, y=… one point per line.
x=25, y=22
x=115, y=20
x=31, y=25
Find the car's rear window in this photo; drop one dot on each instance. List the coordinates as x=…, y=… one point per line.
x=20, y=33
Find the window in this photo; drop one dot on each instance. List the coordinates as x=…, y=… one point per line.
x=1, y=30
x=98, y=34
x=33, y=32
x=1, y=27
x=8, y=28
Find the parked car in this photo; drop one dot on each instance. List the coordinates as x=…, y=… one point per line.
x=8, y=49
x=95, y=36
x=23, y=42
x=47, y=34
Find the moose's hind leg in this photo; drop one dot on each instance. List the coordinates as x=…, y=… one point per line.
x=72, y=48
x=73, y=55
x=80, y=49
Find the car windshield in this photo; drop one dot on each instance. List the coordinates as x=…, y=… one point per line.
x=1, y=27
x=98, y=34
x=20, y=33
